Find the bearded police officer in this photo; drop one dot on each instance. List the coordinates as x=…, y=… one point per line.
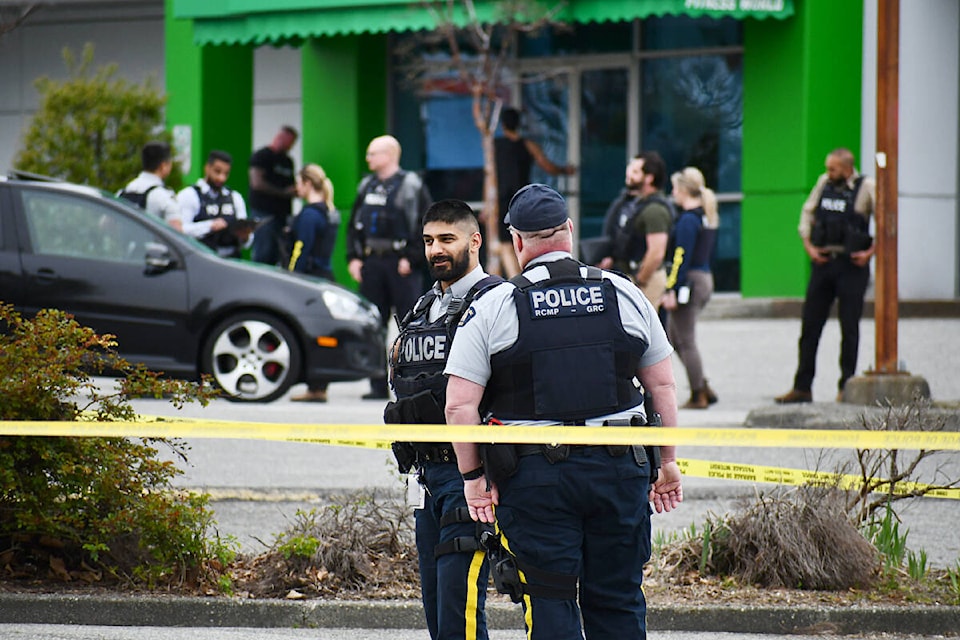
x=834, y=228
x=562, y=343
x=383, y=238
x=212, y=211
x=453, y=567
x=638, y=226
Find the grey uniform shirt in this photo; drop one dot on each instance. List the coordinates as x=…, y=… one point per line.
x=491, y=326
x=458, y=289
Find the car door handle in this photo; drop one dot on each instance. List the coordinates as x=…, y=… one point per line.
x=46, y=276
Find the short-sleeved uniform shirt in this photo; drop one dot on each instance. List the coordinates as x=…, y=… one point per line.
x=491, y=326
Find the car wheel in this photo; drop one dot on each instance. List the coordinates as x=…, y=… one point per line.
x=253, y=357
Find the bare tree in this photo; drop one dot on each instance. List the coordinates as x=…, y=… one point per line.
x=12, y=17
x=480, y=53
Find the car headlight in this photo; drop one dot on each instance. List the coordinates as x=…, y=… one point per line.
x=346, y=306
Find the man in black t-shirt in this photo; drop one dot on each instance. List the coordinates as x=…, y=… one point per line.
x=272, y=190
x=515, y=157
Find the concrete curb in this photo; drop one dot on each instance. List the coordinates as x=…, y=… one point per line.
x=162, y=611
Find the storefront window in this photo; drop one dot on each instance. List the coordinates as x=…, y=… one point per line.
x=692, y=113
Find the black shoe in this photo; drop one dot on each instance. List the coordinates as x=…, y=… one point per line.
x=375, y=395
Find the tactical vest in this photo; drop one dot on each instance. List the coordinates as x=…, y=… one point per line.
x=835, y=222
x=573, y=360
x=629, y=246
x=423, y=347
x=380, y=218
x=137, y=198
x=217, y=204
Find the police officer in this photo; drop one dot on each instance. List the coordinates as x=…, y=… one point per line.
x=384, y=248
x=148, y=190
x=453, y=567
x=561, y=344
x=834, y=228
x=638, y=226
x=210, y=208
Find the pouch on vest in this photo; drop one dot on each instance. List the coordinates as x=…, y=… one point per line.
x=420, y=408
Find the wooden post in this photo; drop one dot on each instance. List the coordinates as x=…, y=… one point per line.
x=888, y=86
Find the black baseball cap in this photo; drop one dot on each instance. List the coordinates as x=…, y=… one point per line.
x=536, y=207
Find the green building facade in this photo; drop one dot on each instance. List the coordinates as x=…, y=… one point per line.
x=787, y=73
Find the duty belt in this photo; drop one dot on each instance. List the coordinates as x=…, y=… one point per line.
x=383, y=246
x=434, y=453
x=552, y=451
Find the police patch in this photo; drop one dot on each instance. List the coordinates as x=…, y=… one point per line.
x=466, y=317
x=566, y=301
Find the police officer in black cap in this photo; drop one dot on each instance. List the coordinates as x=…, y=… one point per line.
x=453, y=567
x=564, y=343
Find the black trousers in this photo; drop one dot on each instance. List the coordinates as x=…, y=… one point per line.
x=390, y=292
x=844, y=281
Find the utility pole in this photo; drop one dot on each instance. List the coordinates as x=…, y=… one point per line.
x=886, y=313
x=887, y=383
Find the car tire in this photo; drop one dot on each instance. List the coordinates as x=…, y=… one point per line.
x=252, y=357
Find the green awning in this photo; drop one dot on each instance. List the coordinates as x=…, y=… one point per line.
x=272, y=21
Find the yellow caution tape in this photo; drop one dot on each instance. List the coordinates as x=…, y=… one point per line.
x=798, y=477
x=380, y=435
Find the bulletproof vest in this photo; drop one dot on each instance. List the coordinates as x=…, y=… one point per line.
x=423, y=347
x=627, y=244
x=379, y=216
x=573, y=360
x=215, y=204
x=137, y=198
x=835, y=220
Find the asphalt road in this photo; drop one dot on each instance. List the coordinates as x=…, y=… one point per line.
x=258, y=486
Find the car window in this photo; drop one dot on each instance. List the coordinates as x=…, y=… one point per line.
x=65, y=225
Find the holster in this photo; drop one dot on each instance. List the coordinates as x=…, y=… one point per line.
x=500, y=461
x=405, y=454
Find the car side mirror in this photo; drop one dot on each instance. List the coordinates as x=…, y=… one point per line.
x=157, y=258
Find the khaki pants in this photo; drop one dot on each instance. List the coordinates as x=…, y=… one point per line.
x=656, y=287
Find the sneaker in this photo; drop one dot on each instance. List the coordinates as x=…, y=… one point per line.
x=315, y=395
x=376, y=395
x=794, y=397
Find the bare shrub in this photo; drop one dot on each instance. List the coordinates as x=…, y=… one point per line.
x=360, y=546
x=797, y=539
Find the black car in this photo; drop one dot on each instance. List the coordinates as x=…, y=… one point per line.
x=172, y=303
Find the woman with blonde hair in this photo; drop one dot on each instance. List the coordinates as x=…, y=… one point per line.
x=313, y=234
x=690, y=282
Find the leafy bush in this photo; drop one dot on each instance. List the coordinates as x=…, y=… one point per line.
x=91, y=127
x=82, y=508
